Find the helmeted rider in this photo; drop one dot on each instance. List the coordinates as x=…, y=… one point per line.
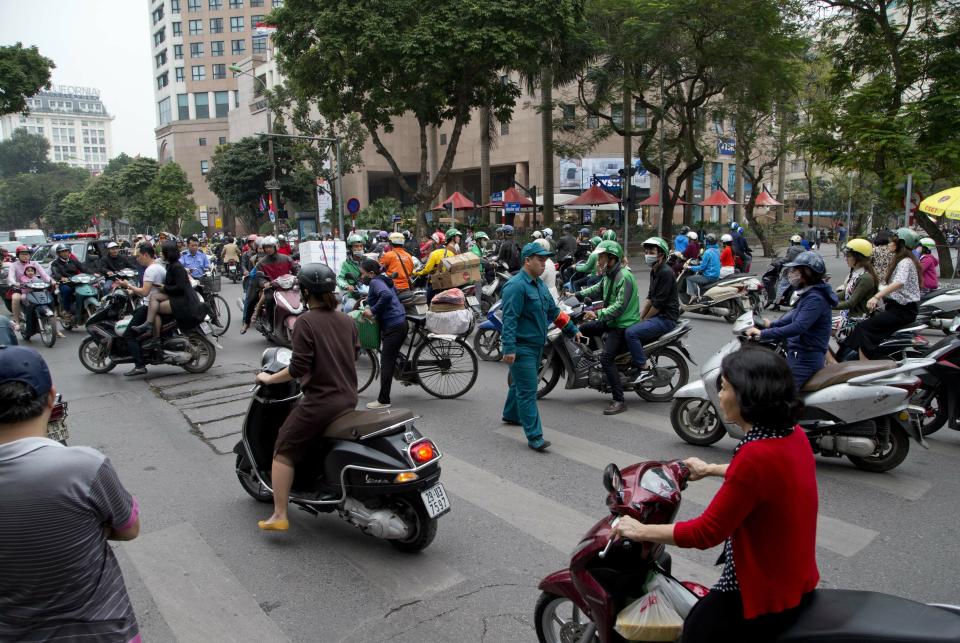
x=548, y=235
x=609, y=235
x=586, y=273
x=480, y=243
x=348, y=279
x=621, y=310
x=660, y=310
x=793, y=251
x=381, y=243
x=62, y=268
x=583, y=245
x=434, y=264
x=727, y=260
x=112, y=263
x=681, y=240
x=807, y=327
x=17, y=275
x=708, y=269
x=929, y=277
x=269, y=268
x=397, y=263
x=567, y=245
x=509, y=252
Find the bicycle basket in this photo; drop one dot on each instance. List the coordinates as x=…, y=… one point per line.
x=211, y=282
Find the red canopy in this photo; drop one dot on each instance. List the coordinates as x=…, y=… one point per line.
x=718, y=198
x=459, y=202
x=654, y=199
x=511, y=195
x=594, y=195
x=765, y=199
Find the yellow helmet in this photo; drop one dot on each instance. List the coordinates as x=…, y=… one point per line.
x=860, y=246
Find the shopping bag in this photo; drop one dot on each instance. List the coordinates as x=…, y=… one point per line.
x=368, y=330
x=649, y=618
x=677, y=596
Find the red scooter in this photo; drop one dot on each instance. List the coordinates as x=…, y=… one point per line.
x=281, y=307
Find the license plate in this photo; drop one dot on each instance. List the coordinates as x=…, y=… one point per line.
x=435, y=500
x=472, y=301
x=205, y=327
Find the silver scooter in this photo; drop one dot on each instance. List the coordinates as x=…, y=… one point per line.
x=857, y=409
x=728, y=298
x=938, y=309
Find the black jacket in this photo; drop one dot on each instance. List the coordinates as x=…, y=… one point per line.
x=110, y=264
x=566, y=247
x=68, y=268
x=188, y=309
x=510, y=253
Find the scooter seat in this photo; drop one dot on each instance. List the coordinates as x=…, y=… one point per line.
x=679, y=328
x=845, y=371
x=355, y=425
x=847, y=616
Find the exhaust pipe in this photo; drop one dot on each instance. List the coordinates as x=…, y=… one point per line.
x=380, y=523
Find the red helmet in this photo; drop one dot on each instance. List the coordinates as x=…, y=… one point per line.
x=22, y=249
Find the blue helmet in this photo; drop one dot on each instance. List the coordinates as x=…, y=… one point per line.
x=507, y=229
x=733, y=225
x=811, y=260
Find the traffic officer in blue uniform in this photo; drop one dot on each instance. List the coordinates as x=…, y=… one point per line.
x=528, y=309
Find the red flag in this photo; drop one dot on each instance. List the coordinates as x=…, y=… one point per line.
x=273, y=207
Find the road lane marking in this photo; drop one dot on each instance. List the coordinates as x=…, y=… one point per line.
x=834, y=535
x=197, y=594
x=540, y=517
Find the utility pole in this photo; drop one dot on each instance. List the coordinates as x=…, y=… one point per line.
x=907, y=201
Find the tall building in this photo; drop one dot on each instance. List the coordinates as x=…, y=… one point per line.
x=73, y=120
x=194, y=43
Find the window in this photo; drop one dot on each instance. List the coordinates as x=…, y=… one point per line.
x=616, y=113
x=219, y=71
x=237, y=47
x=158, y=14
x=63, y=132
x=443, y=139
x=222, y=140
x=717, y=119
x=216, y=25
x=201, y=103
x=259, y=44
x=193, y=5
x=256, y=3
x=163, y=108
x=178, y=52
x=196, y=27
x=796, y=167
x=277, y=3
x=236, y=23
x=259, y=85
x=178, y=74
x=504, y=128
x=215, y=5
x=639, y=115
x=177, y=29
x=216, y=48
x=198, y=72
x=201, y=141
x=174, y=6
x=196, y=50
x=163, y=80
x=221, y=104
x=159, y=36
x=204, y=167
x=254, y=20
x=183, y=107
x=593, y=122
x=236, y=4
x=569, y=114
x=161, y=58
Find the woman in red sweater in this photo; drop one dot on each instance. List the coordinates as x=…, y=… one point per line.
x=727, y=261
x=765, y=513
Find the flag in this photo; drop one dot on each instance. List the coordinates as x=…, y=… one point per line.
x=273, y=206
x=263, y=204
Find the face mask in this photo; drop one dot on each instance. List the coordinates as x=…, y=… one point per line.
x=650, y=259
x=795, y=279
x=357, y=255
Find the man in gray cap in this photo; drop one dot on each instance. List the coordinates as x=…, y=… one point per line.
x=528, y=309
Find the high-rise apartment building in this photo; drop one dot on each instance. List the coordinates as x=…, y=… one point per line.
x=194, y=42
x=73, y=120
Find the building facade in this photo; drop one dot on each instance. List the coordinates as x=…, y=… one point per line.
x=194, y=42
x=73, y=120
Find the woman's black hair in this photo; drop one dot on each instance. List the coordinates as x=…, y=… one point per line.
x=763, y=384
x=903, y=252
x=882, y=238
x=19, y=402
x=170, y=252
x=810, y=277
x=370, y=265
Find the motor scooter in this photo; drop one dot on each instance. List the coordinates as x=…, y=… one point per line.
x=727, y=298
x=900, y=345
x=233, y=271
x=486, y=341
x=86, y=295
x=937, y=401
x=855, y=409
x=37, y=314
x=938, y=308
x=282, y=305
x=581, y=602
x=374, y=468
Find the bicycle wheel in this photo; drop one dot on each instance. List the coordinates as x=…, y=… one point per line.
x=368, y=365
x=219, y=315
x=446, y=369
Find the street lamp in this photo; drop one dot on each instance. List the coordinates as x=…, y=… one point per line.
x=273, y=186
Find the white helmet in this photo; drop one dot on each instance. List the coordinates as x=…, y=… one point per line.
x=537, y=234
x=927, y=242
x=269, y=241
x=543, y=243
x=548, y=232
x=796, y=239
x=281, y=238
x=397, y=238
x=693, y=235
x=726, y=239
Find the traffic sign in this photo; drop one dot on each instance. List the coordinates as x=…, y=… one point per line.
x=496, y=196
x=396, y=218
x=353, y=206
x=512, y=208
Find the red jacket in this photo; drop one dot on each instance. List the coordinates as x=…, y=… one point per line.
x=768, y=504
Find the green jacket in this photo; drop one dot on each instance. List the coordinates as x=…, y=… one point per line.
x=477, y=250
x=590, y=267
x=620, y=297
x=863, y=290
x=349, y=274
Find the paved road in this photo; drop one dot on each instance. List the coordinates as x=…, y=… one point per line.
x=202, y=571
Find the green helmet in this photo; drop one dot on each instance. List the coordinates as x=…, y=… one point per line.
x=453, y=232
x=354, y=238
x=910, y=238
x=659, y=243
x=611, y=248
x=595, y=241
x=481, y=235
x=609, y=235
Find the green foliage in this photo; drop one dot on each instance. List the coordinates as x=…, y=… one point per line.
x=238, y=172
x=191, y=227
x=23, y=72
x=265, y=228
x=379, y=214
x=117, y=163
x=26, y=199
x=22, y=153
x=167, y=202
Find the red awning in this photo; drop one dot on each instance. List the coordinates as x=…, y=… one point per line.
x=654, y=199
x=459, y=201
x=765, y=199
x=718, y=198
x=511, y=195
x=594, y=195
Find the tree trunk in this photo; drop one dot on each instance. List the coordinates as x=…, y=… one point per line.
x=688, y=209
x=738, y=184
x=546, y=124
x=625, y=192
x=666, y=211
x=808, y=174
x=485, y=163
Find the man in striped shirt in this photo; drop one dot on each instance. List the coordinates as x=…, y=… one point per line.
x=59, y=579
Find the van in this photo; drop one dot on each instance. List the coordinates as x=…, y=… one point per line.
x=30, y=236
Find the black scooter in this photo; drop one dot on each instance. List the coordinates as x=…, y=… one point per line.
x=373, y=467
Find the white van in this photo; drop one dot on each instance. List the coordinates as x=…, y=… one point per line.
x=30, y=236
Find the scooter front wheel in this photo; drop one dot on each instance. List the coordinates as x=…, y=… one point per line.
x=250, y=483
x=558, y=620
x=48, y=329
x=486, y=343
x=93, y=358
x=704, y=431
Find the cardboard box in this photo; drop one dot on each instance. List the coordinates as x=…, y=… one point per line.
x=460, y=262
x=446, y=279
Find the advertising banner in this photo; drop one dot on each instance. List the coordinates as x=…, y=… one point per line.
x=576, y=174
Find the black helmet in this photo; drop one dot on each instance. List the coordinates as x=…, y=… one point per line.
x=685, y=229
x=317, y=278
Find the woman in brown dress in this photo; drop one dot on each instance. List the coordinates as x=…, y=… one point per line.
x=324, y=359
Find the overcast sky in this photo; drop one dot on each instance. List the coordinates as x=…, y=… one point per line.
x=95, y=43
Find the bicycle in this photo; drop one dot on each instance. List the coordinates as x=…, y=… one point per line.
x=208, y=286
x=444, y=366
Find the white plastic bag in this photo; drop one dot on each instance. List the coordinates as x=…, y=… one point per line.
x=726, y=271
x=454, y=322
x=649, y=618
x=677, y=596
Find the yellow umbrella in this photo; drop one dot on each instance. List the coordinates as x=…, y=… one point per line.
x=943, y=203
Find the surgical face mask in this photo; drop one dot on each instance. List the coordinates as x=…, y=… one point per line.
x=357, y=254
x=456, y=248
x=650, y=259
x=795, y=278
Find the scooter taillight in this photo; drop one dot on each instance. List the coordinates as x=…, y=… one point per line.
x=423, y=451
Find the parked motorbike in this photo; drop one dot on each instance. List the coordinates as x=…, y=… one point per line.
x=86, y=294
x=937, y=401
x=373, y=468
x=490, y=290
x=938, y=308
x=579, y=364
x=854, y=409
x=282, y=305
x=36, y=312
x=727, y=298
x=106, y=347
x=581, y=602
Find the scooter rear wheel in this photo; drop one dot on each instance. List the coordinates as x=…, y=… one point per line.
x=424, y=527
x=707, y=431
x=895, y=453
x=558, y=620
x=205, y=354
x=666, y=362
x=249, y=482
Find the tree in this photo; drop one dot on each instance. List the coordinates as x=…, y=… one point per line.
x=117, y=163
x=131, y=183
x=433, y=62
x=23, y=153
x=23, y=72
x=28, y=199
x=238, y=172
x=102, y=198
x=71, y=214
x=379, y=214
x=166, y=200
